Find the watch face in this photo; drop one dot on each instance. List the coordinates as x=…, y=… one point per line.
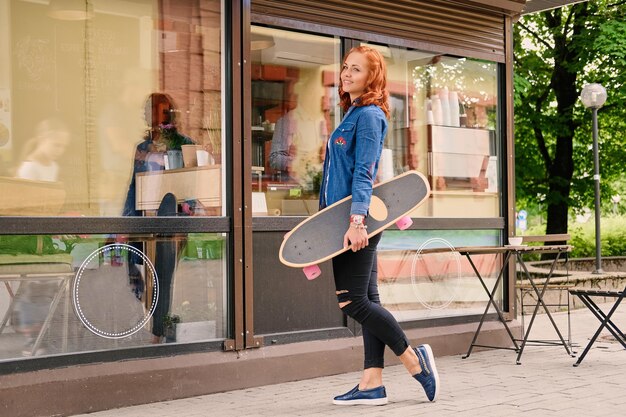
x=357, y=219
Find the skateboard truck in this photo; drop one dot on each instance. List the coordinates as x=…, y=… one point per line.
x=312, y=272
x=404, y=223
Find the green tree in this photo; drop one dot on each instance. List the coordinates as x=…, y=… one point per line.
x=557, y=52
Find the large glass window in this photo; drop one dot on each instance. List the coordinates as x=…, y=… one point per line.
x=294, y=108
x=106, y=106
x=418, y=283
x=111, y=108
x=444, y=123
x=70, y=293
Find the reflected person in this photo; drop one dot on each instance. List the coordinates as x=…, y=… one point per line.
x=284, y=147
x=42, y=151
x=160, y=114
x=297, y=145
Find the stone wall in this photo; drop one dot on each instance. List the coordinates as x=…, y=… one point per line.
x=573, y=273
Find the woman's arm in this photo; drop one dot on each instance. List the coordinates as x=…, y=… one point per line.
x=370, y=128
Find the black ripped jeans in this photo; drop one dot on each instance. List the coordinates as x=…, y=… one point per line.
x=356, y=281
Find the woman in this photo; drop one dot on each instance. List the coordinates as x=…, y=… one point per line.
x=350, y=167
x=159, y=111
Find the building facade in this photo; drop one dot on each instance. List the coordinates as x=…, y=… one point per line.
x=155, y=152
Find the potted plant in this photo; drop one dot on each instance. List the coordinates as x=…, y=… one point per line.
x=169, y=327
x=174, y=142
x=199, y=320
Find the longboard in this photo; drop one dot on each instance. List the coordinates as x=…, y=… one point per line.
x=320, y=237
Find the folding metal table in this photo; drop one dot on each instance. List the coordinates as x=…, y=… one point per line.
x=516, y=253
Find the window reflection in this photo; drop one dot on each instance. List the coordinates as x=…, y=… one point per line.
x=93, y=75
x=41, y=153
x=443, y=124
x=294, y=78
x=417, y=285
x=64, y=294
x=34, y=185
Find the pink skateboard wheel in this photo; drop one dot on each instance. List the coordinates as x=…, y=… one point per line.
x=312, y=272
x=404, y=223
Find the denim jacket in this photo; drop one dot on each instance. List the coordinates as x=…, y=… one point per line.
x=352, y=156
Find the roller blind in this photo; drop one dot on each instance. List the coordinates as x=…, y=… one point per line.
x=460, y=28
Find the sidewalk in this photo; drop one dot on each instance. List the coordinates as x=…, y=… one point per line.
x=488, y=383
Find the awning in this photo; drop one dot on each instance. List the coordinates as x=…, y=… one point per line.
x=517, y=7
x=533, y=6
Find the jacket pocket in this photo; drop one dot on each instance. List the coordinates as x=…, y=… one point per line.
x=347, y=127
x=346, y=135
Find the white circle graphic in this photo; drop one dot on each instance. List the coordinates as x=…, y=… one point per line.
x=79, y=308
x=435, y=275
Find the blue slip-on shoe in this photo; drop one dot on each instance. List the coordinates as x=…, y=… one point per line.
x=429, y=378
x=374, y=396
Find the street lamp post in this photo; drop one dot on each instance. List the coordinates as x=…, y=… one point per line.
x=593, y=97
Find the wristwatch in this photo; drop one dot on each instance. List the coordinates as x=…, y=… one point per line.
x=357, y=220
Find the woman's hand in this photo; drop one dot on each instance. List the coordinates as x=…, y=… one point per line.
x=357, y=237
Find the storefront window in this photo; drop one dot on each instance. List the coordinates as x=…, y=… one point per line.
x=417, y=284
x=294, y=108
x=105, y=109
x=444, y=124
x=67, y=294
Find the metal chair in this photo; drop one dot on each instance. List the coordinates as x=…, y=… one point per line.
x=529, y=290
x=605, y=319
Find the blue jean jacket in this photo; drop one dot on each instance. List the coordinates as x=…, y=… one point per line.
x=352, y=156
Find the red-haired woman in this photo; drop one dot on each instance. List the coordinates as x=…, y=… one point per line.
x=159, y=113
x=350, y=167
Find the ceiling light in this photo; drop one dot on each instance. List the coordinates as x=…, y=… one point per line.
x=70, y=9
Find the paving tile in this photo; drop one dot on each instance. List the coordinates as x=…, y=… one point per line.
x=488, y=383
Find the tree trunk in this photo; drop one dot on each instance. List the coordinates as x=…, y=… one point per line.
x=560, y=176
x=559, y=185
x=561, y=168
x=558, y=206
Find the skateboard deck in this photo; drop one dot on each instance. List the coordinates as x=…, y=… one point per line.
x=320, y=237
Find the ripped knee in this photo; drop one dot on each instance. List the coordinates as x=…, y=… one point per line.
x=343, y=297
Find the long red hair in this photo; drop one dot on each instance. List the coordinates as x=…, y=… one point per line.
x=376, y=88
